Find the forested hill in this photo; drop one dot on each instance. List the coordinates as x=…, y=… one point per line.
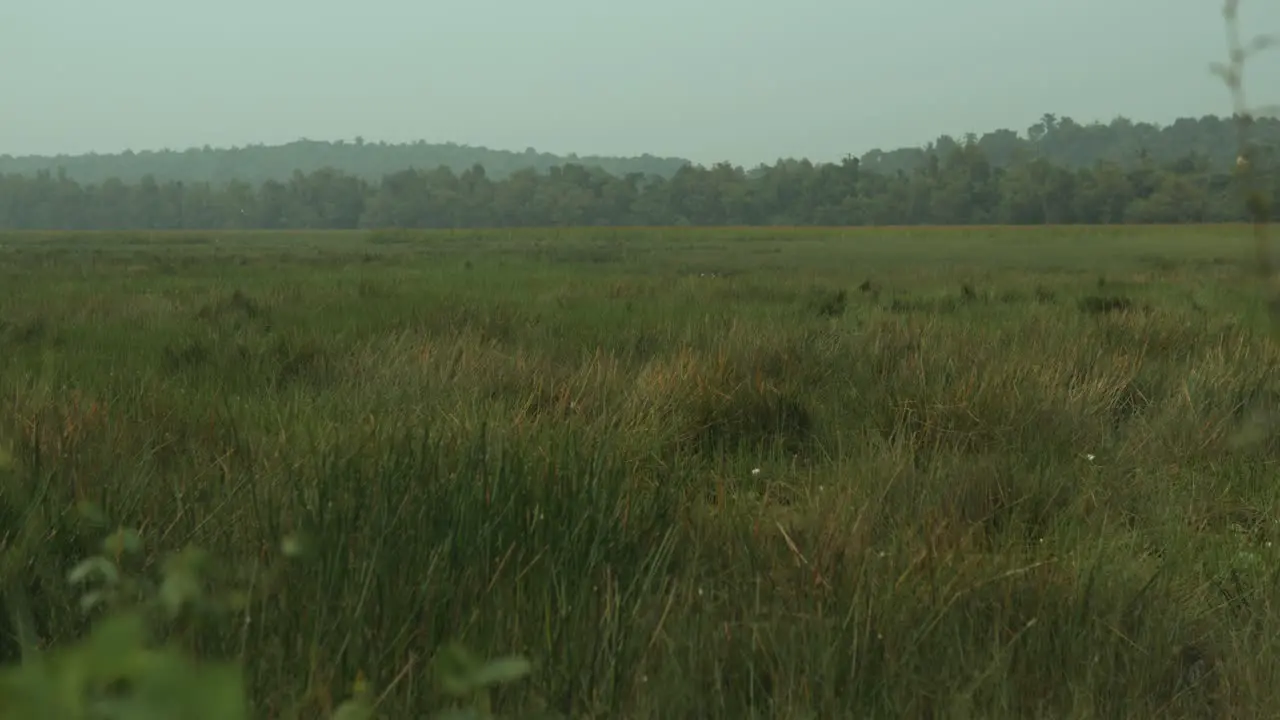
x=1069, y=144
x=256, y=164
x=1061, y=141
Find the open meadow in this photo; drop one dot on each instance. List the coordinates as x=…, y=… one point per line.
x=688, y=473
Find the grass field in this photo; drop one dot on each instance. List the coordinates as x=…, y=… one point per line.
x=689, y=473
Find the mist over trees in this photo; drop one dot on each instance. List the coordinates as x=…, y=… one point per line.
x=257, y=164
x=1058, y=171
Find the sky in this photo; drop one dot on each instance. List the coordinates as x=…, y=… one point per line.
x=746, y=81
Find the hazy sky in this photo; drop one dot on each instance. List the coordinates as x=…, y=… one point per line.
x=743, y=80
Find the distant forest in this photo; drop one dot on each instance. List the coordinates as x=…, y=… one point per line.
x=371, y=161
x=1058, y=171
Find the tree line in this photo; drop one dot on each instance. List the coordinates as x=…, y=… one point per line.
x=950, y=183
x=367, y=160
x=962, y=188
x=1060, y=140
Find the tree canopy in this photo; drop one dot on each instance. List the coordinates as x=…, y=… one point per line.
x=367, y=160
x=1056, y=172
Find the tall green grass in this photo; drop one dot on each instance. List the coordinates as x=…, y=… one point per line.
x=962, y=473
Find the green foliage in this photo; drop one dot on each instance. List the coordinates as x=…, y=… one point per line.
x=1061, y=173
x=118, y=671
x=121, y=670
x=466, y=678
x=114, y=674
x=264, y=164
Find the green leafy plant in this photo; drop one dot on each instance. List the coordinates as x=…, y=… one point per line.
x=132, y=665
x=121, y=669
x=466, y=678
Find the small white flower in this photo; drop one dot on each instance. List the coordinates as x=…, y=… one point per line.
x=1089, y=457
x=755, y=471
